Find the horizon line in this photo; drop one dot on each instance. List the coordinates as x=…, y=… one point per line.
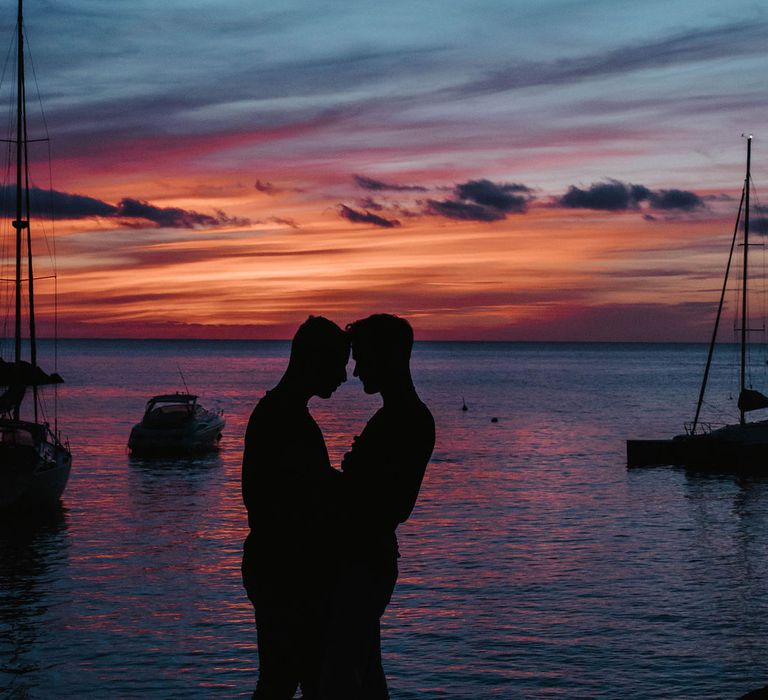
x=420, y=341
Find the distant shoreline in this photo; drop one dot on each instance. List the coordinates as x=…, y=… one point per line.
x=666, y=343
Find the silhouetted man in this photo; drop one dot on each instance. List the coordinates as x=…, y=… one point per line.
x=289, y=564
x=382, y=474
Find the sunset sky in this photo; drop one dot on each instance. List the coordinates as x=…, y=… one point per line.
x=490, y=169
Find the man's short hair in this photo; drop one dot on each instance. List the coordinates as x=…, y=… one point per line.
x=389, y=337
x=318, y=337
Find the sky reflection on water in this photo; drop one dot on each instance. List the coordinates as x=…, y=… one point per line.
x=534, y=565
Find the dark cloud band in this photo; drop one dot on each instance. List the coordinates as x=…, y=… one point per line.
x=482, y=200
x=366, y=217
x=368, y=183
x=132, y=213
x=619, y=196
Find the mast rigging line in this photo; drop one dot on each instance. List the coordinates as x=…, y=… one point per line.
x=711, y=352
x=742, y=325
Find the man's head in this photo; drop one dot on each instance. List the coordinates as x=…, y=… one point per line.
x=319, y=355
x=381, y=348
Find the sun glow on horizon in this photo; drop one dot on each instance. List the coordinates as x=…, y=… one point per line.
x=518, y=187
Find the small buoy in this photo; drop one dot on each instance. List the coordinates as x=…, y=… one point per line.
x=494, y=420
x=464, y=406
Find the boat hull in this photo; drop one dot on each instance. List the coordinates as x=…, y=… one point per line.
x=731, y=448
x=33, y=478
x=651, y=453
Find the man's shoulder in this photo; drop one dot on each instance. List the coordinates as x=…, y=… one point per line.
x=420, y=428
x=424, y=413
x=275, y=418
x=268, y=411
x=412, y=420
x=418, y=413
x=425, y=421
x=273, y=403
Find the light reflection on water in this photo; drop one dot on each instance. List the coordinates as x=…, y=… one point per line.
x=534, y=566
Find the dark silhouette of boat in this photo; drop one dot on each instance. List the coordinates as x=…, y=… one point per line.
x=34, y=461
x=175, y=424
x=741, y=446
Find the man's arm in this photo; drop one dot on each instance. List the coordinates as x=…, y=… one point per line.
x=384, y=471
x=409, y=466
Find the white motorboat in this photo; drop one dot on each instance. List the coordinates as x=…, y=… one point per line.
x=176, y=424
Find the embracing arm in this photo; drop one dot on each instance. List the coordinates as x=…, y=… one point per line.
x=384, y=470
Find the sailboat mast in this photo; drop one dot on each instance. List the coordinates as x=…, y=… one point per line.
x=744, y=275
x=19, y=136
x=21, y=222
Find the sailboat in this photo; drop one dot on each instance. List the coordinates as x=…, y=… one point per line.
x=34, y=460
x=738, y=446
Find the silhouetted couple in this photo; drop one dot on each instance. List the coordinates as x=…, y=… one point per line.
x=320, y=562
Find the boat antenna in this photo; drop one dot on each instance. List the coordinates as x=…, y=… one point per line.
x=186, y=388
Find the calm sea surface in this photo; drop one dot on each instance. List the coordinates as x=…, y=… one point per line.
x=534, y=566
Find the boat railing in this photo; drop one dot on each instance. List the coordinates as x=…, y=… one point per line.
x=63, y=440
x=56, y=435
x=699, y=428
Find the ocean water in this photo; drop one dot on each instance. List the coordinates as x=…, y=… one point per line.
x=535, y=564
